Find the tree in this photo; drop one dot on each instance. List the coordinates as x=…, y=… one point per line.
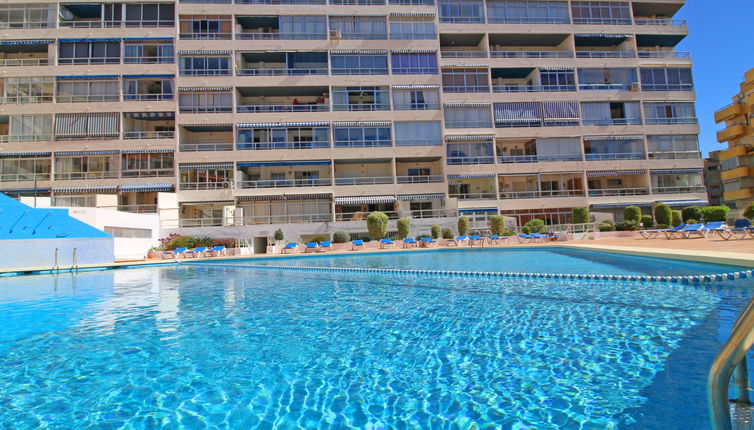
x=341, y=236
x=580, y=215
x=691, y=212
x=632, y=213
x=646, y=221
x=404, y=227
x=278, y=235
x=663, y=214
x=676, y=218
x=497, y=224
x=535, y=225
x=715, y=213
x=435, y=231
x=749, y=211
x=463, y=225
x=377, y=223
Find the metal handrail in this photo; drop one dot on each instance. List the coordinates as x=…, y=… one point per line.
x=732, y=357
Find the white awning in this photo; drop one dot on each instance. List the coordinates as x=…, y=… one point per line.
x=358, y=200
x=606, y=173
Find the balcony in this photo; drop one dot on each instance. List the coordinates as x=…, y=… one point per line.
x=148, y=134
x=732, y=132
x=739, y=172
x=679, y=190
x=280, y=28
x=282, y=99
x=617, y=192
x=363, y=172
x=419, y=179
x=284, y=183
x=364, y=180
x=200, y=138
x=544, y=194
x=660, y=21
x=729, y=112
x=531, y=54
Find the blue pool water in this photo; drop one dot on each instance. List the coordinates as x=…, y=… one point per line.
x=209, y=346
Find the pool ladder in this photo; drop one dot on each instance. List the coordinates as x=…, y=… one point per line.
x=731, y=361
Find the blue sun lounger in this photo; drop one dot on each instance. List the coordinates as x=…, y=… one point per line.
x=713, y=227
x=457, y=241
x=290, y=245
x=387, y=243
x=428, y=241
x=475, y=239
x=217, y=251
x=539, y=237
x=493, y=238
x=325, y=245
x=196, y=252
x=311, y=246
x=741, y=228
x=175, y=253
x=651, y=234
x=523, y=237
x=691, y=229
x=409, y=242
x=355, y=243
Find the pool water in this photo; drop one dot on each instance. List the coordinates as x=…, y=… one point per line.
x=209, y=346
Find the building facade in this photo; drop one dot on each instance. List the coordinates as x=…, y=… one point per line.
x=262, y=112
x=713, y=179
x=737, y=162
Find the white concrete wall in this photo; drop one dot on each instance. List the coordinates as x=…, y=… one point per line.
x=40, y=253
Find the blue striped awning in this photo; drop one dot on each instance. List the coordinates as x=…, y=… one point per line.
x=86, y=189
x=359, y=200
x=89, y=40
x=358, y=51
x=258, y=198
x=672, y=172
x=194, y=89
x=606, y=173
x=415, y=87
x=25, y=154
x=413, y=51
x=192, y=166
x=148, y=151
x=361, y=124
x=207, y=203
x=208, y=52
x=471, y=210
x=284, y=163
x=27, y=42
x=308, y=196
x=619, y=205
x=421, y=196
x=425, y=14
x=473, y=175
x=87, y=77
x=144, y=188
x=685, y=202
x=147, y=115
x=636, y=137
x=147, y=38
x=149, y=76
x=469, y=138
x=467, y=105
x=103, y=152
x=24, y=190
x=283, y=124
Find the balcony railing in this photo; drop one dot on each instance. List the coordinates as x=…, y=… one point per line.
x=283, y=183
x=148, y=134
x=24, y=62
x=360, y=71
x=263, y=146
x=416, y=106
x=151, y=173
x=149, y=60
x=612, y=121
x=283, y=219
x=304, y=2
x=526, y=20
x=612, y=192
x=485, y=159
x=205, y=72
x=540, y=194
x=69, y=176
x=27, y=99
x=430, y=213
x=673, y=155
x=143, y=97
x=283, y=108
x=25, y=25
x=363, y=36
x=602, y=21
x=89, y=24
x=363, y=143
x=490, y=195
x=364, y=180
x=609, y=87
x=418, y=142
x=468, y=124
x=664, y=54
x=667, y=87
x=616, y=156
x=204, y=147
x=466, y=89
x=419, y=179
x=205, y=109
x=199, y=222
x=669, y=121
x=354, y=107
x=23, y=177
x=25, y=138
x=206, y=36
x=679, y=190
x=532, y=88
x=150, y=23
x=281, y=36
x=463, y=54
x=361, y=216
x=605, y=54
x=282, y=72
x=205, y=185
x=87, y=98
x=660, y=21
x=537, y=158
x=136, y=209
x=89, y=60
x=531, y=54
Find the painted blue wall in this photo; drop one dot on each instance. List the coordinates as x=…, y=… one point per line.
x=19, y=221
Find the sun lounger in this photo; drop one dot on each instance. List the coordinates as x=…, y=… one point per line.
x=175, y=253
x=713, y=227
x=493, y=238
x=196, y=252
x=677, y=231
x=325, y=245
x=457, y=241
x=523, y=237
x=741, y=229
x=651, y=234
x=553, y=237
x=409, y=242
x=216, y=251
x=289, y=246
x=387, y=243
x=428, y=241
x=311, y=247
x=693, y=230
x=538, y=237
x=355, y=243
x=475, y=239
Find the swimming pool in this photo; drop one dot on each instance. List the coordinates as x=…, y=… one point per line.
x=205, y=345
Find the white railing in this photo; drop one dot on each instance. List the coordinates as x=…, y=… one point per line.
x=532, y=88
x=365, y=180
x=531, y=54
x=282, y=183
x=280, y=71
x=143, y=97
x=474, y=196
x=28, y=99
x=152, y=173
x=202, y=147
x=70, y=176
x=23, y=177
x=660, y=21
x=506, y=195
x=148, y=134
x=419, y=179
x=679, y=190
x=610, y=192
x=26, y=138
x=283, y=108
x=681, y=55
x=87, y=98
x=24, y=62
x=605, y=54
x=205, y=185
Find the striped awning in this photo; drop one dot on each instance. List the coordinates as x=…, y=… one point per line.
x=60, y=77
x=24, y=154
x=606, y=173
x=472, y=175
x=558, y=111
x=464, y=66
x=605, y=35
x=195, y=89
x=358, y=200
x=518, y=112
x=619, y=205
x=361, y=124
x=471, y=210
x=676, y=171
x=421, y=196
x=413, y=51
x=557, y=69
x=148, y=76
x=27, y=42
x=145, y=188
x=192, y=166
x=207, y=202
x=467, y=105
x=469, y=138
x=24, y=190
x=685, y=202
x=637, y=137
x=148, y=151
x=147, y=38
x=89, y=40
x=358, y=51
x=87, y=124
x=424, y=14
x=208, y=125
x=208, y=52
x=415, y=87
x=308, y=196
x=86, y=189
x=75, y=153
x=258, y=198
x=283, y=124
x=149, y=115
x=284, y=163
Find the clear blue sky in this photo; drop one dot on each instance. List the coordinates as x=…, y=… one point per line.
x=720, y=40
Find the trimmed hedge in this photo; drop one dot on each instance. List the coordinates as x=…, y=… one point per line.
x=278, y=235
x=580, y=215
x=435, y=231
x=341, y=236
x=404, y=227
x=663, y=214
x=691, y=212
x=647, y=221
x=463, y=225
x=676, y=218
x=447, y=233
x=749, y=211
x=497, y=224
x=715, y=213
x=535, y=225
x=377, y=223
x=607, y=226
x=632, y=213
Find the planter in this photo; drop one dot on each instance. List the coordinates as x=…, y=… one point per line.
x=154, y=254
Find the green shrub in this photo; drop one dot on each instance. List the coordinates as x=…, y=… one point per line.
x=341, y=236
x=580, y=215
x=663, y=214
x=661, y=226
x=607, y=226
x=630, y=225
x=497, y=224
x=377, y=223
x=507, y=232
x=675, y=218
x=447, y=233
x=278, y=235
x=632, y=213
x=526, y=229
x=179, y=242
x=646, y=221
x=715, y=213
x=203, y=241
x=319, y=238
x=404, y=227
x=691, y=212
x=535, y=225
x=749, y=211
x=463, y=225
x=420, y=236
x=435, y=231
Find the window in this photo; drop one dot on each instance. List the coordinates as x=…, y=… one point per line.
x=150, y=15
x=558, y=80
x=666, y=79
x=24, y=169
x=303, y=27
x=673, y=146
x=283, y=138
x=670, y=113
x=29, y=128
x=461, y=11
x=676, y=181
x=147, y=165
x=471, y=152
x=527, y=12
x=409, y=27
x=359, y=64
x=83, y=91
x=28, y=90
x=468, y=117
x=148, y=52
x=601, y=12
x=205, y=102
x=465, y=80
x=205, y=66
x=85, y=167
x=358, y=137
x=416, y=99
x=101, y=51
x=206, y=27
x=414, y=63
x=418, y=133
x=611, y=113
x=206, y=176
x=28, y=15
x=614, y=147
x=360, y=27
x=360, y=98
x=128, y=232
x=607, y=79
x=147, y=89
x=69, y=126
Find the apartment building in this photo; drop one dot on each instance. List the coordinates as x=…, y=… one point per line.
x=737, y=162
x=261, y=112
x=713, y=179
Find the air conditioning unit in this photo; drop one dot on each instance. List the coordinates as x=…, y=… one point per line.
x=335, y=34
x=635, y=86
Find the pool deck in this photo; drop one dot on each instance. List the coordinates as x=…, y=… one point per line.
x=711, y=250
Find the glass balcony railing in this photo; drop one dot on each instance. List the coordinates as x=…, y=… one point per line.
x=613, y=192
x=679, y=189
x=281, y=72
x=281, y=36
x=605, y=54
x=508, y=195
x=24, y=177
x=364, y=180
x=484, y=159
x=205, y=109
x=670, y=121
x=143, y=97
x=532, y=88
x=612, y=121
x=616, y=156
x=531, y=54
x=264, y=146
x=537, y=158
x=488, y=195
x=283, y=108
x=148, y=134
x=70, y=176
x=24, y=62
x=419, y=179
x=202, y=147
x=283, y=183
x=363, y=143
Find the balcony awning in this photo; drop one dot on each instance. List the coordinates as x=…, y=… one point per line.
x=421, y=196
x=636, y=137
x=149, y=115
x=208, y=52
x=130, y=39
x=60, y=77
x=469, y=138
x=473, y=175
x=606, y=173
x=284, y=163
x=684, y=202
x=361, y=124
x=358, y=51
x=358, y=200
x=413, y=51
x=308, y=196
x=619, y=205
x=145, y=188
x=197, y=89
x=283, y=124
x=87, y=189
x=192, y=166
x=467, y=105
x=518, y=112
x=148, y=151
x=557, y=69
x=207, y=127
x=259, y=198
x=25, y=154
x=27, y=42
x=207, y=202
x=416, y=87
x=24, y=190
x=471, y=210
x=89, y=40
x=74, y=153
x=425, y=14
x=676, y=171
x=148, y=76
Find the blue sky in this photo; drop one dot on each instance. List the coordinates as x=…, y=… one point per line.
x=720, y=40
